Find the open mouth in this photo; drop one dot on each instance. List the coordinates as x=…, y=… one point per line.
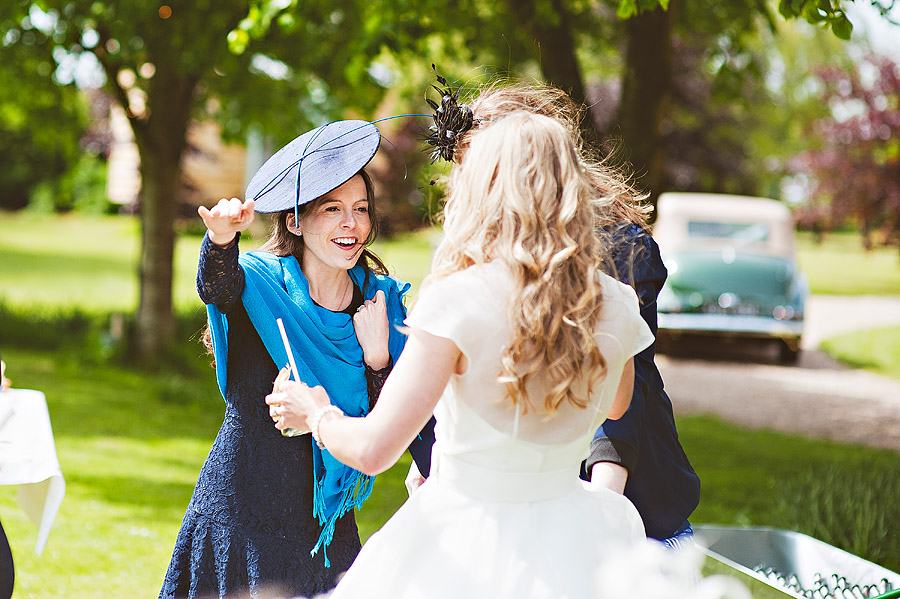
x=346, y=243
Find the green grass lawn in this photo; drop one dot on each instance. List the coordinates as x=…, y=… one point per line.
x=876, y=350
x=840, y=266
x=131, y=446
x=89, y=262
x=131, y=443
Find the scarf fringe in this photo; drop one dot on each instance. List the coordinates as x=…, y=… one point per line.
x=352, y=496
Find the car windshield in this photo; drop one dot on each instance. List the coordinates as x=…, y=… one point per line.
x=738, y=232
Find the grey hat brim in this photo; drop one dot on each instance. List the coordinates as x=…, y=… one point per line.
x=313, y=164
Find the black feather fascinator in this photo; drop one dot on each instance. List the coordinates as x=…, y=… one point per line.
x=451, y=121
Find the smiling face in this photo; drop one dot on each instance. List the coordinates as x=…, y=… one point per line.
x=336, y=227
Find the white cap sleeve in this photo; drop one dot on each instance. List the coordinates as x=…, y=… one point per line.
x=635, y=334
x=452, y=308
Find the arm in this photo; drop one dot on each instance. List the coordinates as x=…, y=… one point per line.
x=374, y=443
x=618, y=440
x=219, y=277
x=4, y=382
x=611, y=475
x=375, y=380
x=624, y=392
x=373, y=333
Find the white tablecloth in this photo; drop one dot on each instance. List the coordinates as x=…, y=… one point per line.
x=28, y=458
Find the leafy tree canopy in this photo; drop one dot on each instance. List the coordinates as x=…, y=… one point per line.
x=855, y=166
x=40, y=123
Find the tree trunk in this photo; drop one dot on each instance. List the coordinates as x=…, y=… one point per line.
x=161, y=139
x=646, y=93
x=555, y=51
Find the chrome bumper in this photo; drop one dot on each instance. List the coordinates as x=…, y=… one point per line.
x=749, y=326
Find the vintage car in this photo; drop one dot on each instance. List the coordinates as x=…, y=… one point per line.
x=732, y=272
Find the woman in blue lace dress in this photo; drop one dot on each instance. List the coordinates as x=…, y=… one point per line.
x=271, y=513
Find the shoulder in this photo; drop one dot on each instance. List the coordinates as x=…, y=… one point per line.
x=615, y=290
x=482, y=283
x=468, y=307
x=635, y=255
x=260, y=260
x=475, y=293
x=628, y=241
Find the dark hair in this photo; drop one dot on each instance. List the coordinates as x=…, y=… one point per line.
x=282, y=242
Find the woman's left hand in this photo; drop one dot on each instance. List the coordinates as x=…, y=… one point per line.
x=373, y=331
x=294, y=403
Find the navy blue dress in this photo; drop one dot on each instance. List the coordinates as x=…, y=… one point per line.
x=249, y=526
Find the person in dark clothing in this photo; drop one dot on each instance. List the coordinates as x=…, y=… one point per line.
x=640, y=454
x=7, y=567
x=273, y=514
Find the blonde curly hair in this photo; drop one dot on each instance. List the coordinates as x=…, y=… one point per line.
x=623, y=203
x=522, y=195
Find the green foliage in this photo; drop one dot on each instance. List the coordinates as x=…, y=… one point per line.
x=82, y=262
x=88, y=186
x=96, y=338
x=40, y=122
x=46, y=329
x=826, y=14
x=877, y=350
x=631, y=8
x=81, y=188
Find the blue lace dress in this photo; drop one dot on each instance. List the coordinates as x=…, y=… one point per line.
x=249, y=526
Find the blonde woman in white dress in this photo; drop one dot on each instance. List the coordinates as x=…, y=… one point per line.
x=521, y=347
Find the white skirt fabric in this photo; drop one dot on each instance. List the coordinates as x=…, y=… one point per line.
x=472, y=533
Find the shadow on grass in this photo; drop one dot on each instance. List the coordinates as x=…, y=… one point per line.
x=166, y=498
x=87, y=399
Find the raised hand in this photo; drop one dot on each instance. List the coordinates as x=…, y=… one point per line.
x=373, y=331
x=226, y=218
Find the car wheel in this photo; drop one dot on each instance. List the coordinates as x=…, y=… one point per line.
x=787, y=354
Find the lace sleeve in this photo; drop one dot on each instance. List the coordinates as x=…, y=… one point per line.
x=375, y=381
x=220, y=279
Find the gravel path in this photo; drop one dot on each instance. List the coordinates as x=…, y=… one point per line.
x=818, y=397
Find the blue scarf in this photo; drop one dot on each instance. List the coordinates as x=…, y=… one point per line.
x=326, y=352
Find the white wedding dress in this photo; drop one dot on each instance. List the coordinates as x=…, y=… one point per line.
x=503, y=513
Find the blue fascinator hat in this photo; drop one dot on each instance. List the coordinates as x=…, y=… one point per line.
x=313, y=164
